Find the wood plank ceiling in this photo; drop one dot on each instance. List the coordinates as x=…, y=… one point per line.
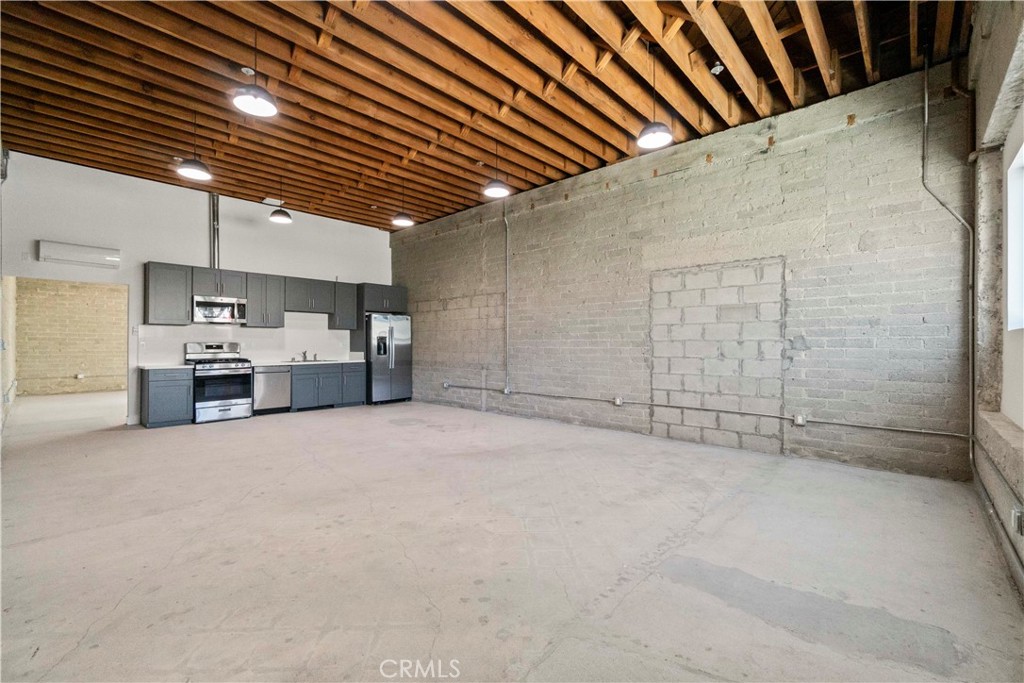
x=384, y=100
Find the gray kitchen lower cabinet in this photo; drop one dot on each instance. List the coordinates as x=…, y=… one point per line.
x=167, y=397
x=305, y=390
x=354, y=388
x=316, y=386
x=330, y=388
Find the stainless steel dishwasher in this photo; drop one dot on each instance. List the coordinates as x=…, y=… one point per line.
x=272, y=387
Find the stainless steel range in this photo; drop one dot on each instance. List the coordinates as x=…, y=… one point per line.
x=223, y=380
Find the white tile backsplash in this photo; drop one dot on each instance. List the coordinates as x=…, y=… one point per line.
x=302, y=332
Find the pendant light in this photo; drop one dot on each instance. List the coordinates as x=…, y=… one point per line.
x=494, y=187
x=402, y=219
x=655, y=134
x=279, y=215
x=193, y=169
x=251, y=98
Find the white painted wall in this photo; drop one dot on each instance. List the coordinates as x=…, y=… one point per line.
x=149, y=221
x=1012, y=401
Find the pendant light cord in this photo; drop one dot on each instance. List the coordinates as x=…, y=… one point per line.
x=195, y=154
x=255, y=54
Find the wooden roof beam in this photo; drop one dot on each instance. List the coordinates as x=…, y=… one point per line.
x=680, y=50
x=598, y=65
x=826, y=57
x=104, y=157
x=331, y=167
x=178, y=135
x=867, y=47
x=791, y=78
x=671, y=9
x=365, y=77
x=916, y=58
x=943, y=29
x=791, y=30
x=88, y=139
x=602, y=20
x=422, y=55
x=532, y=56
x=722, y=42
x=536, y=69
x=317, y=104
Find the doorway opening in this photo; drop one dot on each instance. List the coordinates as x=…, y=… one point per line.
x=69, y=355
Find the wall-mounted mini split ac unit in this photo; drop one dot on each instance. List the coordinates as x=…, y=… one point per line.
x=79, y=254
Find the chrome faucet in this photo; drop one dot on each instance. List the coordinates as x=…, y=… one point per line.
x=304, y=356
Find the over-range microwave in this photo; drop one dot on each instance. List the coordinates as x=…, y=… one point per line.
x=218, y=309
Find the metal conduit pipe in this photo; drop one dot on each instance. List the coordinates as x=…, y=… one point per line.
x=214, y=230
x=508, y=256
x=972, y=248
x=788, y=418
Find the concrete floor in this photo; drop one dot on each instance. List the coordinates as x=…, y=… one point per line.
x=316, y=546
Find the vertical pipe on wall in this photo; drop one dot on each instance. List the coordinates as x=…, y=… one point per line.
x=972, y=248
x=214, y=230
x=504, y=217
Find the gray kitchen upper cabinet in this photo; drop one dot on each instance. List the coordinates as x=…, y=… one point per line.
x=303, y=295
x=232, y=284
x=217, y=282
x=323, y=296
x=346, y=315
x=167, y=397
x=265, y=300
x=383, y=298
x=296, y=295
x=275, y=301
x=168, y=294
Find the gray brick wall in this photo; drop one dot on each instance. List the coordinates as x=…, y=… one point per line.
x=874, y=327
x=716, y=338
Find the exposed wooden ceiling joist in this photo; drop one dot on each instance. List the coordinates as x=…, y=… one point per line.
x=377, y=99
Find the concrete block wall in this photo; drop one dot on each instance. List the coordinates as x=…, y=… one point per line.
x=874, y=275
x=716, y=336
x=69, y=328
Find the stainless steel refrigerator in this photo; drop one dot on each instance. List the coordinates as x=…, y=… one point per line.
x=389, y=347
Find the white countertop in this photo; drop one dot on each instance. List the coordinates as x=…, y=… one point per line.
x=165, y=366
x=257, y=364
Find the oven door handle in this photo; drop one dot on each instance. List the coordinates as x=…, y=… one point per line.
x=221, y=373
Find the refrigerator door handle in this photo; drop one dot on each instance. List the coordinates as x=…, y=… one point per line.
x=391, y=344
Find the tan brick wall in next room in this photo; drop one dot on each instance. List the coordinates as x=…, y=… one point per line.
x=65, y=329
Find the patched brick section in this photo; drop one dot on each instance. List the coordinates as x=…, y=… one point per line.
x=716, y=337
x=69, y=328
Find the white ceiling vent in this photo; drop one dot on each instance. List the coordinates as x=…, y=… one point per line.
x=79, y=254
